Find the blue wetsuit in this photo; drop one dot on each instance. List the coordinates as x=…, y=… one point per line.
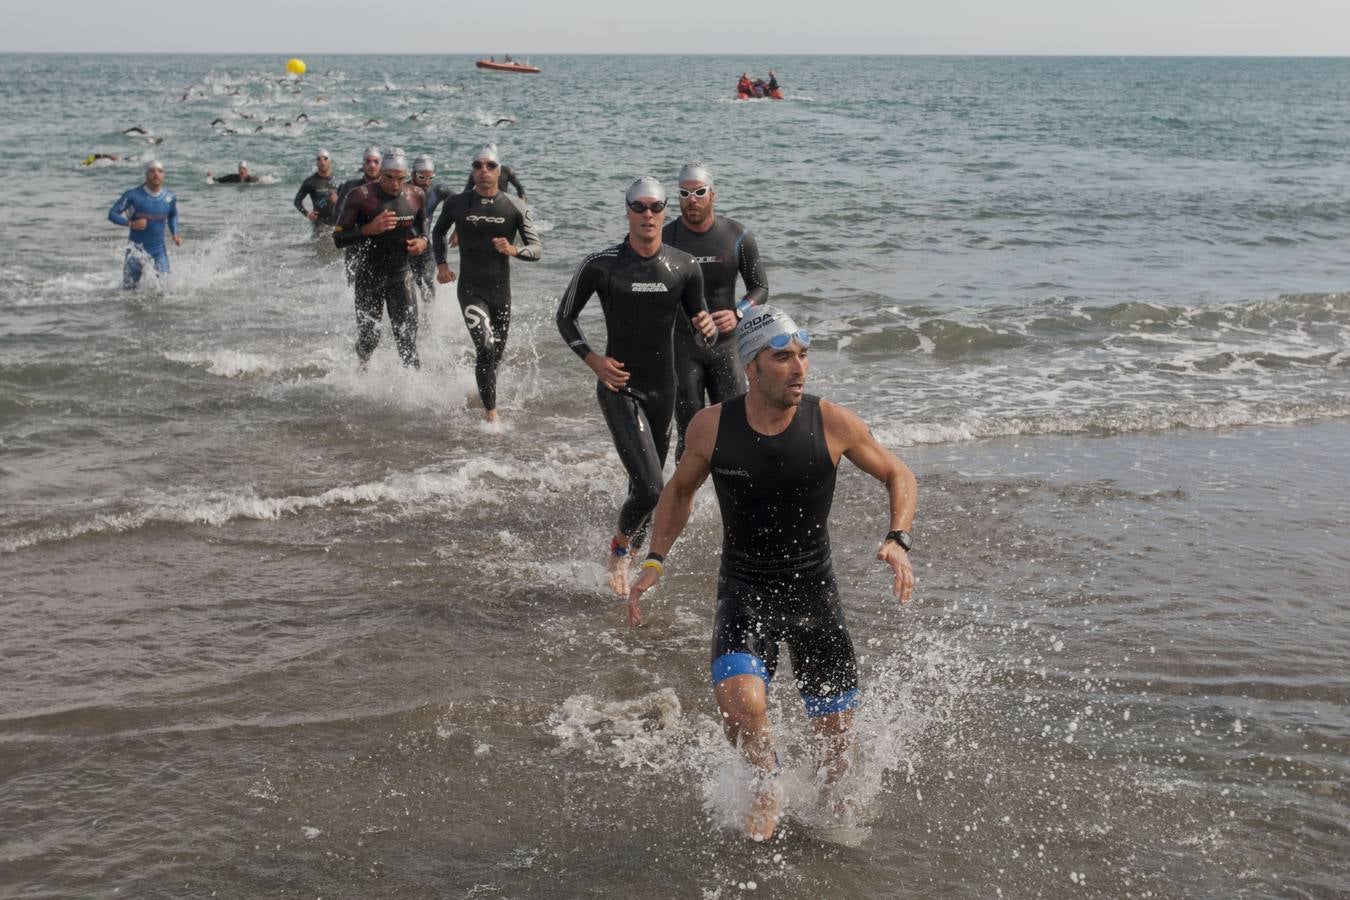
x=160, y=212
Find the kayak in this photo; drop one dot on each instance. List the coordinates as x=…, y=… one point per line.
x=507, y=66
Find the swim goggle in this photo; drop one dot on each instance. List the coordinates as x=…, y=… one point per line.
x=484, y=164
x=700, y=193
x=655, y=206
x=782, y=341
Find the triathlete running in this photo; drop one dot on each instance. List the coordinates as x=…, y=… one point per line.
x=370, y=173
x=149, y=211
x=644, y=287
x=486, y=222
x=321, y=191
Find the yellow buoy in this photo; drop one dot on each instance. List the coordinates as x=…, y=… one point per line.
x=295, y=66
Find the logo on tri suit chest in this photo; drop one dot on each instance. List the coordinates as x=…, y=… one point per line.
x=737, y=473
x=707, y=259
x=493, y=220
x=649, y=287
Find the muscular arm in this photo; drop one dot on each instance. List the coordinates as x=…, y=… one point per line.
x=677, y=499
x=847, y=435
x=752, y=273
x=300, y=198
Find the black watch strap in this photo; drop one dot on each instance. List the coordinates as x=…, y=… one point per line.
x=903, y=538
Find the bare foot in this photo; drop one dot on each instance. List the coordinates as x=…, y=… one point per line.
x=763, y=816
x=490, y=415
x=618, y=574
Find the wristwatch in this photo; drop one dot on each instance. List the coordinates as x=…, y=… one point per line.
x=903, y=538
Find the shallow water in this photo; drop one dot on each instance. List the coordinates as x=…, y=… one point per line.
x=268, y=627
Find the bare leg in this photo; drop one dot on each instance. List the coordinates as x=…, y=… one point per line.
x=834, y=746
x=618, y=564
x=744, y=702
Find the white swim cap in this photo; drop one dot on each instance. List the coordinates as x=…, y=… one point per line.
x=153, y=164
x=765, y=326
x=243, y=164
x=322, y=154
x=424, y=163
x=646, y=186
x=372, y=153
x=488, y=152
x=394, y=160
x=696, y=171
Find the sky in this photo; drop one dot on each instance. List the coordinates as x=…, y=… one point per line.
x=777, y=27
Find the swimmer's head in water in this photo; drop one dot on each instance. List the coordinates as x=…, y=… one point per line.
x=645, y=188
x=696, y=171
x=767, y=326
x=488, y=152
x=424, y=163
x=243, y=166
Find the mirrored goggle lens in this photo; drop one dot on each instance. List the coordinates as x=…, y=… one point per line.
x=782, y=341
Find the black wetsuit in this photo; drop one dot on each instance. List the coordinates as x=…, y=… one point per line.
x=776, y=581
x=484, y=280
x=723, y=251
x=424, y=266
x=235, y=178
x=380, y=265
x=319, y=189
x=505, y=176
x=641, y=298
x=343, y=191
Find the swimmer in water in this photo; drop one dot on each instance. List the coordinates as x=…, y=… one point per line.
x=240, y=176
x=487, y=222
x=773, y=453
x=724, y=249
x=149, y=211
x=644, y=286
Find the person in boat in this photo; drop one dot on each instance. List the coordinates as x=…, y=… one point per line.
x=773, y=454
x=241, y=176
x=773, y=82
x=743, y=86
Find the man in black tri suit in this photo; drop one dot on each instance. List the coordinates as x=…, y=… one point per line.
x=722, y=248
x=486, y=221
x=384, y=224
x=773, y=454
x=644, y=286
x=321, y=190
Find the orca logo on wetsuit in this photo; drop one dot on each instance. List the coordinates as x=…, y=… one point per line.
x=708, y=259
x=495, y=220
x=739, y=473
x=477, y=317
x=649, y=287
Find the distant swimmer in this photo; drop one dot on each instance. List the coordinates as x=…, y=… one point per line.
x=487, y=222
x=149, y=211
x=240, y=176
x=217, y=121
x=424, y=264
x=135, y=129
x=505, y=176
x=96, y=157
x=644, y=286
x=370, y=173
x=370, y=122
x=321, y=190
x=723, y=248
x=384, y=224
x=773, y=454
x=303, y=117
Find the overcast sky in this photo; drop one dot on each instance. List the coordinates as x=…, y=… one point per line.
x=780, y=27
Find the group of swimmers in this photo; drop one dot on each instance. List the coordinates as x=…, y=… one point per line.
x=679, y=333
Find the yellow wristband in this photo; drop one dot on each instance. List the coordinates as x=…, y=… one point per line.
x=653, y=564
